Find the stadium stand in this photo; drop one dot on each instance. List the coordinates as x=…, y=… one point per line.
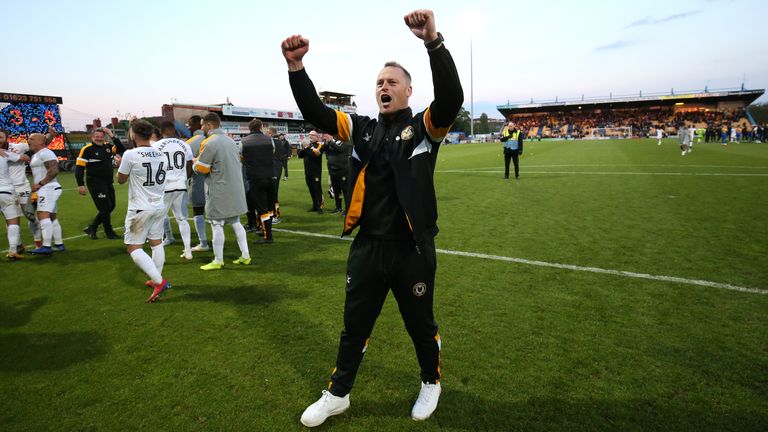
x=708, y=110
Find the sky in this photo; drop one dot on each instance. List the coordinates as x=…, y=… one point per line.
x=110, y=58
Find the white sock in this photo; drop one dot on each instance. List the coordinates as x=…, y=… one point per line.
x=218, y=243
x=158, y=257
x=144, y=262
x=242, y=240
x=200, y=228
x=47, y=228
x=14, y=234
x=185, y=232
x=57, y=239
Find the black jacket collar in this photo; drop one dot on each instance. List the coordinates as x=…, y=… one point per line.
x=404, y=114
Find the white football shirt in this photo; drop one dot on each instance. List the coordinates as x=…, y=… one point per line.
x=18, y=170
x=177, y=153
x=145, y=168
x=37, y=164
x=6, y=185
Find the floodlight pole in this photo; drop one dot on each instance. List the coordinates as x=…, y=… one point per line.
x=471, y=93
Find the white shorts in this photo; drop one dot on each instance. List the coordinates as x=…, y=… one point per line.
x=9, y=205
x=175, y=201
x=46, y=199
x=143, y=225
x=23, y=192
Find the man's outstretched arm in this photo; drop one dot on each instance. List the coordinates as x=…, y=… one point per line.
x=312, y=108
x=448, y=92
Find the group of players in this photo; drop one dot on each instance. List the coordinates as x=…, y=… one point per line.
x=157, y=170
x=37, y=201
x=688, y=134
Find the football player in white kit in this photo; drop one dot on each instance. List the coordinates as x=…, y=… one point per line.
x=691, y=136
x=45, y=169
x=144, y=167
x=9, y=201
x=659, y=135
x=18, y=172
x=178, y=158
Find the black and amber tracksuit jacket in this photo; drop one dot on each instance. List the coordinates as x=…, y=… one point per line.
x=95, y=162
x=416, y=140
x=313, y=159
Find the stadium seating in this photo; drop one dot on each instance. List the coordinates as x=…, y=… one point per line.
x=643, y=121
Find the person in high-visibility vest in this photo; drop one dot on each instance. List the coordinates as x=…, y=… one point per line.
x=513, y=148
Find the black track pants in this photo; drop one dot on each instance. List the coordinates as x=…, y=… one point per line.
x=373, y=268
x=103, y=196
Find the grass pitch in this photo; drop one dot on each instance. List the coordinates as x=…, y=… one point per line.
x=525, y=346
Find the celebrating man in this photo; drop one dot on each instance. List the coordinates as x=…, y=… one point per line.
x=178, y=158
x=393, y=202
x=145, y=168
x=9, y=201
x=95, y=164
x=45, y=169
x=219, y=162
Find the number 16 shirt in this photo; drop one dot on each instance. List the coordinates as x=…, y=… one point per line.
x=145, y=168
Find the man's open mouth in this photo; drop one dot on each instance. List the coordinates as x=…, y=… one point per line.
x=386, y=99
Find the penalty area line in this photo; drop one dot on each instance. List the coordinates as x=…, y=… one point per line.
x=599, y=270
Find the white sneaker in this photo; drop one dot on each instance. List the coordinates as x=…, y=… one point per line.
x=426, y=403
x=187, y=255
x=200, y=248
x=168, y=241
x=328, y=405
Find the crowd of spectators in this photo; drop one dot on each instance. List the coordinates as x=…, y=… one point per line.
x=644, y=122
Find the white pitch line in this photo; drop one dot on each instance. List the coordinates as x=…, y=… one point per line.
x=619, y=165
x=572, y=267
x=73, y=237
x=613, y=173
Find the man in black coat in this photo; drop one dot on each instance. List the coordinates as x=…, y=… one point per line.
x=258, y=160
x=312, y=153
x=337, y=154
x=394, y=204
